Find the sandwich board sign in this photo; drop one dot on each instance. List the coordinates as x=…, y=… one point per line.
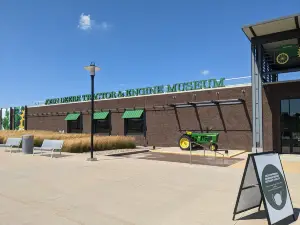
x=264, y=182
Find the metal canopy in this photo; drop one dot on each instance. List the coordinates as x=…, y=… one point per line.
x=268, y=31
x=276, y=46
x=279, y=43
x=208, y=103
x=132, y=114
x=72, y=116
x=100, y=115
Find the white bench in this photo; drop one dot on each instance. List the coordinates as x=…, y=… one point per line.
x=11, y=143
x=50, y=145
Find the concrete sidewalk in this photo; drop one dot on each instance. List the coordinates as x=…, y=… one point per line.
x=39, y=190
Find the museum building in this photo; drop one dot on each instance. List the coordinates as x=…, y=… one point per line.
x=158, y=116
x=262, y=115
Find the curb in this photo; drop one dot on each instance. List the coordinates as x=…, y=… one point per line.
x=126, y=153
x=236, y=154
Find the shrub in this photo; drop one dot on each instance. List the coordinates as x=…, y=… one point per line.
x=75, y=143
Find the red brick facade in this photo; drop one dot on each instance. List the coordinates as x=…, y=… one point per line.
x=233, y=122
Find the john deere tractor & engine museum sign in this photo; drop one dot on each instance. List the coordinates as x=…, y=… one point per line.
x=179, y=87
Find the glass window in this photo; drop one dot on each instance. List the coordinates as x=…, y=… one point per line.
x=290, y=125
x=102, y=126
x=285, y=106
x=74, y=126
x=295, y=114
x=294, y=107
x=134, y=126
x=285, y=114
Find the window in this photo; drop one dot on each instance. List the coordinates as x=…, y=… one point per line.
x=290, y=126
x=290, y=114
x=285, y=107
x=102, y=126
x=134, y=121
x=134, y=126
x=294, y=107
x=102, y=122
x=74, y=123
x=74, y=126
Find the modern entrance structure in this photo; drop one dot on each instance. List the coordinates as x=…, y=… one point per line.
x=274, y=50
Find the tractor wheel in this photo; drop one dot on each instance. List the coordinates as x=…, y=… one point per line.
x=213, y=147
x=282, y=58
x=184, y=142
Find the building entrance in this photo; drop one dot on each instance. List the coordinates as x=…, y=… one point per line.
x=275, y=47
x=290, y=126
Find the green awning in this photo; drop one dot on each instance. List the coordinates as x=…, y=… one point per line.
x=132, y=114
x=72, y=116
x=100, y=115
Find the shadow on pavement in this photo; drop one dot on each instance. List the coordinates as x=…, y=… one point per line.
x=255, y=216
x=14, y=150
x=110, y=158
x=201, y=160
x=262, y=215
x=54, y=155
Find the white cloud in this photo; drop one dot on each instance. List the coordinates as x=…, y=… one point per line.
x=205, y=72
x=86, y=23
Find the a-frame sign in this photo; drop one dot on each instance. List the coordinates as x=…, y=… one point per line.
x=264, y=182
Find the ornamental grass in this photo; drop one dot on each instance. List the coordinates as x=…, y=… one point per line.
x=74, y=143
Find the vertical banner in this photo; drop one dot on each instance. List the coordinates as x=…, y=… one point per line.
x=5, y=117
x=25, y=117
x=19, y=118
x=264, y=182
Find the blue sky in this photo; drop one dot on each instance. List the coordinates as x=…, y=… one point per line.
x=136, y=43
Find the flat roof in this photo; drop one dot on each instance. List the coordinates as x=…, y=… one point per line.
x=278, y=25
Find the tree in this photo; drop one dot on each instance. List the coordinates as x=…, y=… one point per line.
x=17, y=118
x=6, y=121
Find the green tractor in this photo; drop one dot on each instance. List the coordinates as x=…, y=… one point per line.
x=194, y=138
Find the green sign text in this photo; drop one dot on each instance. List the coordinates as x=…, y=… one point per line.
x=179, y=87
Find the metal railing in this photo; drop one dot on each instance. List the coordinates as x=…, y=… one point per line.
x=216, y=152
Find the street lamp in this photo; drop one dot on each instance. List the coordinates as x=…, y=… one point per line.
x=92, y=69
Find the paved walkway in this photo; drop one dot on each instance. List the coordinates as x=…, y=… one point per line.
x=290, y=163
x=39, y=190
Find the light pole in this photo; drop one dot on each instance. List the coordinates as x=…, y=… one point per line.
x=92, y=69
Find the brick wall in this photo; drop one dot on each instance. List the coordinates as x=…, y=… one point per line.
x=164, y=126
